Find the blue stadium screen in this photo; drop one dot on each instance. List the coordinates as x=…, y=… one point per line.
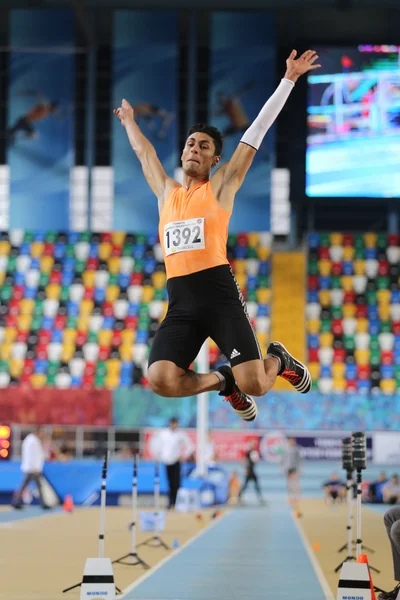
x=353, y=137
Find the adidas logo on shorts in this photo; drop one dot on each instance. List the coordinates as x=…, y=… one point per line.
x=234, y=354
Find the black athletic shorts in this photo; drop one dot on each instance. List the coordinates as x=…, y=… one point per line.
x=205, y=304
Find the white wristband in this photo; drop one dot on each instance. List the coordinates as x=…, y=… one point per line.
x=267, y=115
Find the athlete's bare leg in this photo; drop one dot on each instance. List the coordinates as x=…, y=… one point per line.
x=257, y=377
x=168, y=380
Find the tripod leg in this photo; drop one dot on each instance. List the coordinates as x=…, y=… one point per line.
x=374, y=569
x=117, y=560
x=72, y=587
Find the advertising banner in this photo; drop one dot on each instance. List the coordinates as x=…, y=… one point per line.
x=242, y=77
x=40, y=122
x=145, y=72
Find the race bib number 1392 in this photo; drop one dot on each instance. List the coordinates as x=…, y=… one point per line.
x=181, y=236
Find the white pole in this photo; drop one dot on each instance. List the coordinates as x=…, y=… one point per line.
x=203, y=364
x=134, y=504
x=103, y=507
x=156, y=495
x=349, y=514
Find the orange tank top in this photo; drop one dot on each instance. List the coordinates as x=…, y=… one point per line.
x=193, y=230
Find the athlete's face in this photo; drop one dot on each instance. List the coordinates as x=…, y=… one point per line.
x=198, y=156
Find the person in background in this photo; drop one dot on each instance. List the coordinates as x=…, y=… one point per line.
x=210, y=452
x=171, y=447
x=375, y=488
x=291, y=465
x=391, y=518
x=234, y=488
x=33, y=458
x=391, y=490
x=251, y=458
x=334, y=489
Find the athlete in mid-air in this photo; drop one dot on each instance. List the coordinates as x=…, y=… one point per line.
x=204, y=297
x=26, y=123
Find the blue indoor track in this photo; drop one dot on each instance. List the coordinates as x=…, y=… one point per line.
x=250, y=553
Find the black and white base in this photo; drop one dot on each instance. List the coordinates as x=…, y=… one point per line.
x=98, y=579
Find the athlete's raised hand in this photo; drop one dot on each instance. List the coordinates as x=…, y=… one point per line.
x=303, y=64
x=125, y=112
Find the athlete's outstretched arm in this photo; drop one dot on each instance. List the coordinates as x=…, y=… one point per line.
x=234, y=171
x=153, y=171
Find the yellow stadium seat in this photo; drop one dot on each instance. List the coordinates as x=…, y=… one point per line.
x=26, y=306
x=324, y=267
x=104, y=337
x=212, y=345
x=37, y=249
x=362, y=326
x=24, y=322
x=348, y=253
x=46, y=264
x=262, y=338
x=313, y=326
x=86, y=307
x=336, y=239
x=338, y=370
x=83, y=323
x=69, y=336
x=239, y=267
x=362, y=357
x=315, y=369
x=241, y=278
x=347, y=283
x=339, y=385
x=359, y=267
x=384, y=312
x=263, y=252
x=148, y=294
x=104, y=250
x=2, y=277
x=370, y=240
x=112, y=381
x=263, y=295
x=349, y=311
x=325, y=297
x=16, y=366
x=53, y=291
x=326, y=340
x=67, y=352
x=88, y=278
x=10, y=333
x=388, y=386
x=126, y=352
x=112, y=293
x=114, y=264
x=164, y=312
x=38, y=380
x=128, y=336
x=383, y=296
x=253, y=239
x=5, y=248
x=113, y=366
x=118, y=238
x=263, y=349
x=159, y=279
x=5, y=350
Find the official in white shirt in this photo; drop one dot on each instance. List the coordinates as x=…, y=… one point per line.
x=33, y=458
x=171, y=446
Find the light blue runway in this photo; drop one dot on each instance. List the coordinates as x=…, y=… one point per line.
x=251, y=553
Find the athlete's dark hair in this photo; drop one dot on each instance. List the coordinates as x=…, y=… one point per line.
x=213, y=132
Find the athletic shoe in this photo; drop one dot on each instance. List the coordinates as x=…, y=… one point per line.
x=291, y=369
x=243, y=405
x=390, y=595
